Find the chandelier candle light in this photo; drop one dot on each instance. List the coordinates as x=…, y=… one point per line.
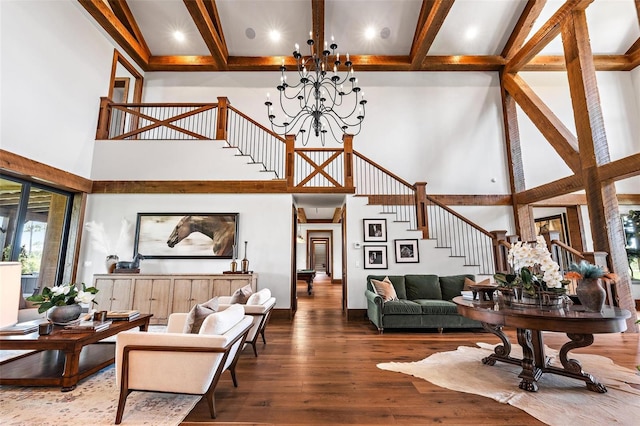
x=324, y=104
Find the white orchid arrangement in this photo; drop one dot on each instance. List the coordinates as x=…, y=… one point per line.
x=65, y=294
x=527, y=259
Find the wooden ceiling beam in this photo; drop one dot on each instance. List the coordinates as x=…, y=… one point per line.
x=302, y=216
x=544, y=35
x=620, y=169
x=119, y=32
x=208, y=30
x=549, y=190
x=425, y=34
x=557, y=63
x=556, y=133
x=523, y=27
x=121, y=9
x=337, y=215
x=317, y=25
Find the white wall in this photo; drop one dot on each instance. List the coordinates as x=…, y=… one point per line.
x=267, y=230
x=55, y=66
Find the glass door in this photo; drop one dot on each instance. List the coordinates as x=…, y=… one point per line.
x=34, y=222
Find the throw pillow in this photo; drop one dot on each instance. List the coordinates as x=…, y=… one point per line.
x=241, y=295
x=223, y=321
x=259, y=297
x=198, y=314
x=385, y=289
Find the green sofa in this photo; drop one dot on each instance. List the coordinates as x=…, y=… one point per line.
x=424, y=301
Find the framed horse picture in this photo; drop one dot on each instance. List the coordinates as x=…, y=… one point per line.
x=186, y=235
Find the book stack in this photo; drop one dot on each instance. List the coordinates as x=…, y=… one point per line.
x=86, y=326
x=20, y=328
x=122, y=315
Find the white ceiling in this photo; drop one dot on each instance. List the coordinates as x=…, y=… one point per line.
x=613, y=26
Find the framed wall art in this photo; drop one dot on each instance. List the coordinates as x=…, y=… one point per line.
x=375, y=257
x=375, y=230
x=407, y=251
x=186, y=235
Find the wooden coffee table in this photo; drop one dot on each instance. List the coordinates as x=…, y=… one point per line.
x=580, y=326
x=61, y=358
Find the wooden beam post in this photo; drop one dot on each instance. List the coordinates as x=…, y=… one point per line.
x=347, y=141
x=499, y=251
x=421, y=208
x=290, y=142
x=522, y=214
x=221, y=124
x=606, y=226
x=576, y=225
x=104, y=116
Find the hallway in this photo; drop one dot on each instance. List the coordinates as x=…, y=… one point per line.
x=320, y=368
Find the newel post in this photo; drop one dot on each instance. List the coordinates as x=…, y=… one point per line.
x=221, y=125
x=104, y=117
x=421, y=208
x=347, y=141
x=290, y=144
x=499, y=251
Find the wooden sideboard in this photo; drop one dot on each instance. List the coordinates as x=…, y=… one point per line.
x=163, y=294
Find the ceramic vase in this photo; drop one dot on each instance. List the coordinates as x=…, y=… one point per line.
x=591, y=294
x=61, y=315
x=245, y=261
x=110, y=263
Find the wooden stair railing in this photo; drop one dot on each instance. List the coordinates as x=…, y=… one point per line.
x=384, y=188
x=465, y=238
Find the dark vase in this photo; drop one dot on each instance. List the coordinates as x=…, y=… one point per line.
x=61, y=315
x=591, y=294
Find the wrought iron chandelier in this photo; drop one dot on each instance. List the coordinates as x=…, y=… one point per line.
x=326, y=101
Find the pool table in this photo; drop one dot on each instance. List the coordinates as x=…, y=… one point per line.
x=307, y=275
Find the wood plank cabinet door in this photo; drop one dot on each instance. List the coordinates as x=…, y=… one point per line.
x=221, y=287
x=160, y=300
x=181, y=296
x=113, y=294
x=142, y=295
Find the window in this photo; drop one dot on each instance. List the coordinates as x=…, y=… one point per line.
x=34, y=228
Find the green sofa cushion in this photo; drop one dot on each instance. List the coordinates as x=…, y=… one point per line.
x=398, y=282
x=452, y=286
x=402, y=306
x=437, y=307
x=422, y=287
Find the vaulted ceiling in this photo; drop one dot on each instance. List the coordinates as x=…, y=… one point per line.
x=380, y=35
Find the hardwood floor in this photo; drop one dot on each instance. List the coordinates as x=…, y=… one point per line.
x=321, y=369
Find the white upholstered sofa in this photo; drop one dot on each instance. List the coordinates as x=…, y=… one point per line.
x=178, y=362
x=259, y=305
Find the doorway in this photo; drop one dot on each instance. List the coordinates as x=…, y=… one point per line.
x=319, y=256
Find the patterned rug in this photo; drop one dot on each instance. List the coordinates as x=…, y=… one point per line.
x=559, y=401
x=93, y=402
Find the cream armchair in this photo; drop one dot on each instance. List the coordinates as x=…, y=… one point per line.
x=180, y=362
x=259, y=306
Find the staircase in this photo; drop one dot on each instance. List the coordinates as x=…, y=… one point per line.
x=306, y=170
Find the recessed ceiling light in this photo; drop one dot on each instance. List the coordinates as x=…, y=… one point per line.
x=471, y=33
x=385, y=33
x=250, y=33
x=178, y=35
x=370, y=33
x=274, y=35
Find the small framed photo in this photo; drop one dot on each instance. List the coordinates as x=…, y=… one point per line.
x=407, y=251
x=375, y=230
x=375, y=257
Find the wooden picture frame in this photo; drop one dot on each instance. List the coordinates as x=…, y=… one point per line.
x=375, y=230
x=375, y=257
x=186, y=235
x=407, y=251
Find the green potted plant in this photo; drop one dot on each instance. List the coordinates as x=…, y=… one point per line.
x=62, y=303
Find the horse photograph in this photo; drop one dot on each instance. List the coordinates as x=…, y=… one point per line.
x=198, y=235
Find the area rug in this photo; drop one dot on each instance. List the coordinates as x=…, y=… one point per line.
x=93, y=402
x=559, y=401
